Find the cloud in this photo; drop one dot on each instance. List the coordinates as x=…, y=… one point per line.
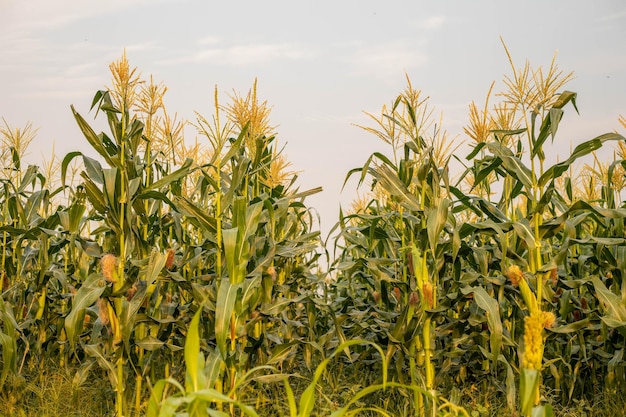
x=621, y=15
x=141, y=47
x=208, y=40
x=37, y=67
x=63, y=83
x=388, y=59
x=29, y=17
x=241, y=54
x=30, y=51
x=434, y=22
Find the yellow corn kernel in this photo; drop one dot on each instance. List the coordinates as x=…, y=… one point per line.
x=533, y=340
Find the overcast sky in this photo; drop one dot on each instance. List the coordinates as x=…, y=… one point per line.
x=319, y=64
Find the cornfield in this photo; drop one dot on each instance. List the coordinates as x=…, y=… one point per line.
x=191, y=280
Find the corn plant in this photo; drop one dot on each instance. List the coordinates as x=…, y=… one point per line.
x=407, y=242
x=527, y=221
x=500, y=256
x=117, y=195
x=196, y=266
x=260, y=228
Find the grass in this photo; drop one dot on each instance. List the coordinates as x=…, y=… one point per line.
x=53, y=392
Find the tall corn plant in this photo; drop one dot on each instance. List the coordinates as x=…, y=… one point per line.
x=30, y=258
x=129, y=261
x=260, y=237
x=401, y=247
x=530, y=225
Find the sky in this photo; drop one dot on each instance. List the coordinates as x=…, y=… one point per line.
x=320, y=65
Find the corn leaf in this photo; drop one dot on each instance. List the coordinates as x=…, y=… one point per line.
x=8, y=337
x=529, y=380
x=224, y=309
x=95, y=351
x=130, y=308
x=492, y=312
x=192, y=353
x=390, y=182
x=91, y=137
x=583, y=149
x=307, y=400
x=150, y=343
x=512, y=164
x=436, y=220
x=197, y=215
x=86, y=296
x=281, y=352
x=174, y=176
x=212, y=368
x=524, y=230
x=613, y=304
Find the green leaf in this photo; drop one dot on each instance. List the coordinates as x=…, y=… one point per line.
x=236, y=240
x=564, y=98
x=156, y=195
x=174, y=176
x=95, y=351
x=94, y=195
x=81, y=375
x=209, y=395
x=91, y=137
x=512, y=164
x=543, y=410
x=250, y=293
x=110, y=187
x=524, y=231
x=583, y=149
x=235, y=146
x=212, y=368
x=130, y=308
x=279, y=305
x=85, y=297
x=529, y=380
x=548, y=128
x=511, y=391
x=571, y=327
x=15, y=156
x=65, y=163
x=224, y=310
x=229, y=238
x=291, y=399
x=492, y=312
x=599, y=213
x=390, y=182
x=28, y=178
x=156, y=398
x=613, y=304
x=281, y=352
x=479, y=146
x=484, y=172
x=436, y=220
x=75, y=215
x=502, y=133
x=150, y=343
x=93, y=169
x=307, y=400
x=159, y=405
x=8, y=340
x=196, y=214
x=192, y=352
x=238, y=179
